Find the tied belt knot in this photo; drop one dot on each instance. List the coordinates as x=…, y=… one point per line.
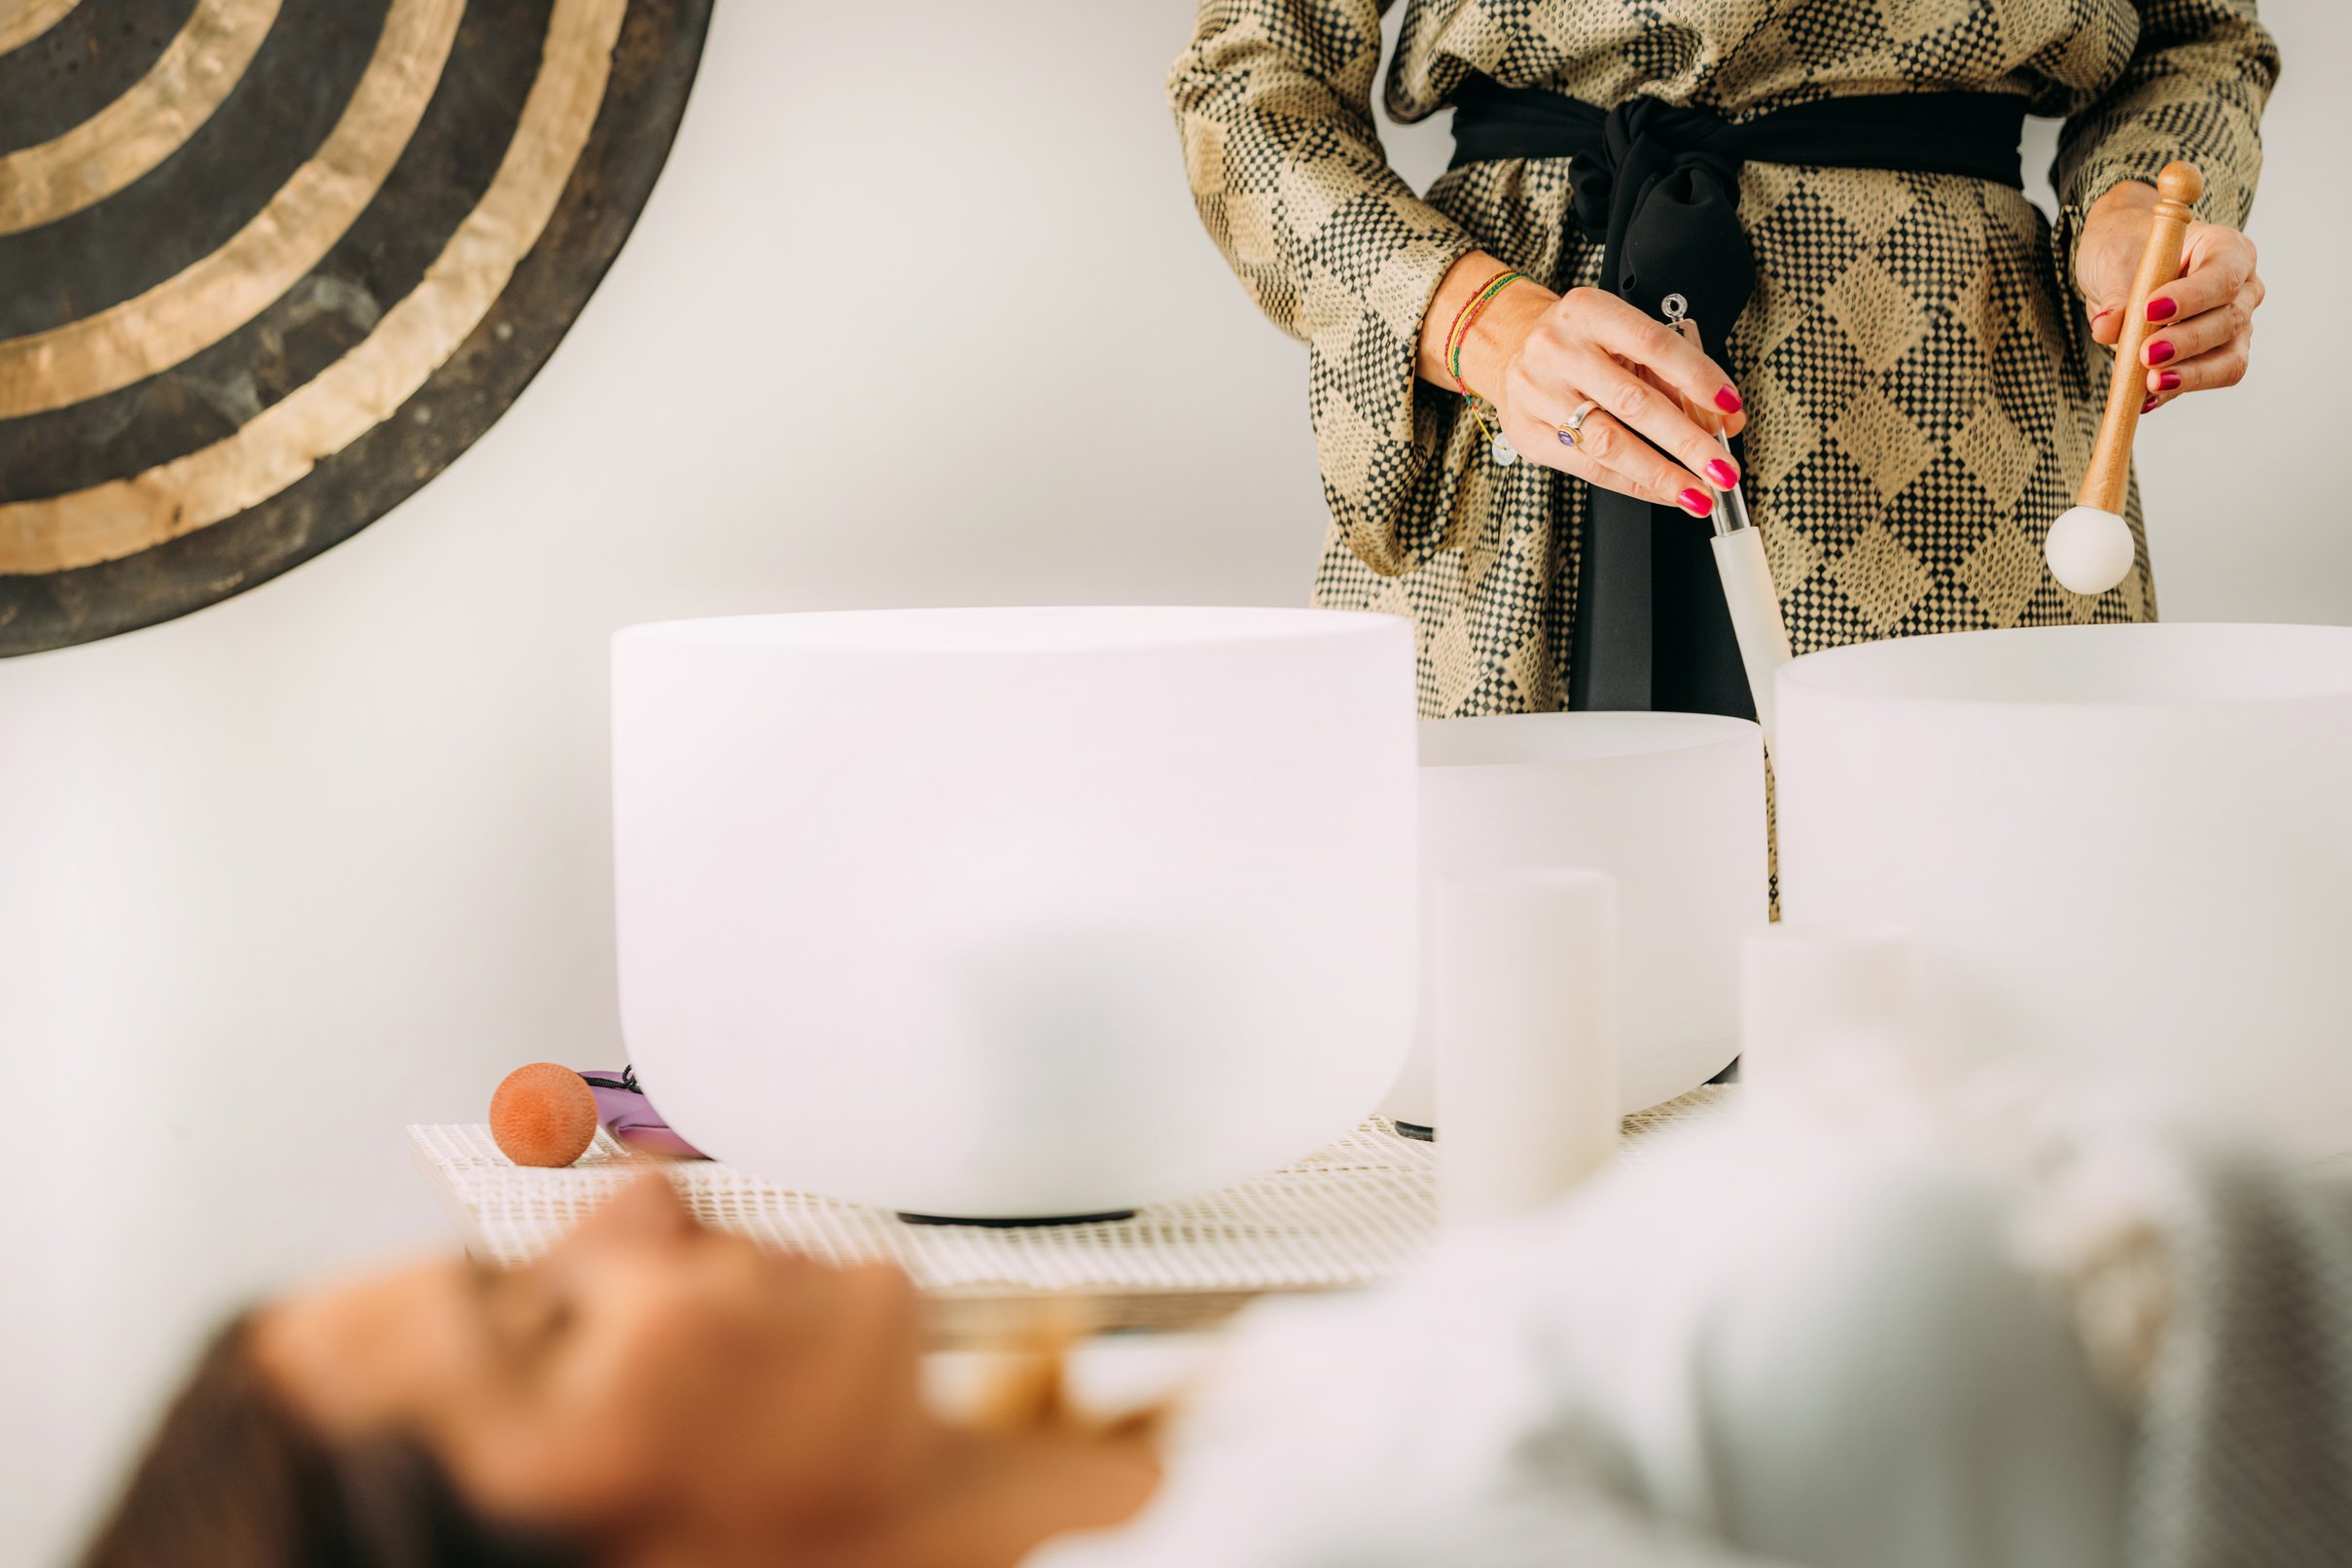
x=1662, y=184
x=1658, y=185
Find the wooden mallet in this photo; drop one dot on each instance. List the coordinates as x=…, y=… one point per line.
x=2090, y=547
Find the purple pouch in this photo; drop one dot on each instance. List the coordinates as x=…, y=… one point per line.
x=629, y=1115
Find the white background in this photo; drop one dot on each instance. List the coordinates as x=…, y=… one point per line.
x=920, y=314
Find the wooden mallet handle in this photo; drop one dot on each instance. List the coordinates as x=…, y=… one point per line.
x=2109, y=473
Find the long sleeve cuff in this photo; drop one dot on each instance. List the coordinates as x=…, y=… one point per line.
x=1383, y=435
x=2195, y=91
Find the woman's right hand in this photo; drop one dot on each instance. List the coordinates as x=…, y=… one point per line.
x=1537, y=357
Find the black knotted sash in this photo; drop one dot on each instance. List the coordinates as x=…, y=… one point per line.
x=1660, y=184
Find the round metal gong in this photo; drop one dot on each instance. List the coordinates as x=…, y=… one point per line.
x=266, y=267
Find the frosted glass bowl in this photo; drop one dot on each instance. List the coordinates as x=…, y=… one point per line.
x=1672, y=805
x=1015, y=914
x=2127, y=847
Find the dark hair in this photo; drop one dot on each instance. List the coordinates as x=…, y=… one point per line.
x=234, y=1478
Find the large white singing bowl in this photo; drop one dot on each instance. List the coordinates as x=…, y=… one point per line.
x=2124, y=846
x=1015, y=914
x=1669, y=805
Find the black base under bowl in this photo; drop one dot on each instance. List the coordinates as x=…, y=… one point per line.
x=1016, y=1224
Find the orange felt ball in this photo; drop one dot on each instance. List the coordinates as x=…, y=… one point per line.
x=543, y=1115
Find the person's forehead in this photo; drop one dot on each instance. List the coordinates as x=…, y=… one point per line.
x=366, y=1352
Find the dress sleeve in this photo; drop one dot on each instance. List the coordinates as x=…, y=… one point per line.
x=2194, y=90
x=1273, y=101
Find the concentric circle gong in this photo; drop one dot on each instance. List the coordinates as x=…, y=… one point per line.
x=266, y=267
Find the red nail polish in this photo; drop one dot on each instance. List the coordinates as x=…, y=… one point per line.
x=2159, y=351
x=2161, y=309
x=2150, y=407
x=1727, y=400
x=2168, y=382
x=1696, y=504
x=1723, y=473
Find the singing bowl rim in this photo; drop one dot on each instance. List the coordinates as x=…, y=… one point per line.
x=1056, y=631
x=1581, y=739
x=1987, y=676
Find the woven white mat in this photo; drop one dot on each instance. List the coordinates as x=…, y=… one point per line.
x=1354, y=1213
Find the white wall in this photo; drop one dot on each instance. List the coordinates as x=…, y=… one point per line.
x=920, y=314
x=2245, y=492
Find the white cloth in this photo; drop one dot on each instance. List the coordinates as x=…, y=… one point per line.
x=1767, y=1343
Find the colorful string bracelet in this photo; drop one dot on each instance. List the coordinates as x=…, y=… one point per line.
x=1456, y=335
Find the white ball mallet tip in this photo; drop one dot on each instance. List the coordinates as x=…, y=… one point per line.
x=2089, y=550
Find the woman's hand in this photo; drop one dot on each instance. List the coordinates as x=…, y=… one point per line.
x=1537, y=357
x=2202, y=327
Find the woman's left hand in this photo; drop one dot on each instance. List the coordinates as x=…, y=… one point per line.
x=2201, y=328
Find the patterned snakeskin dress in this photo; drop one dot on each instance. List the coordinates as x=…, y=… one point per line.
x=1922, y=388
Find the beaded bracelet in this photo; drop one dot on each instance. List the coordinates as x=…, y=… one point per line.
x=1459, y=335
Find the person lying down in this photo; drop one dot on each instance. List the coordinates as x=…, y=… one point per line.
x=1778, y=1340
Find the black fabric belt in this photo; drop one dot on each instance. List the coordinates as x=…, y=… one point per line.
x=1659, y=184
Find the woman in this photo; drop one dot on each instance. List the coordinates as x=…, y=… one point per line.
x=649, y=1392
x=1806, y=1338
x=1833, y=187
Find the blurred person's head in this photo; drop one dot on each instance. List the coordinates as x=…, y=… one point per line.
x=648, y=1392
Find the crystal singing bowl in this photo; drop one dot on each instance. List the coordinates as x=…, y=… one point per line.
x=2127, y=849
x=1015, y=914
x=1672, y=806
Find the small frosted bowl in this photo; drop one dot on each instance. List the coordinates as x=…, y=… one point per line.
x=1672, y=806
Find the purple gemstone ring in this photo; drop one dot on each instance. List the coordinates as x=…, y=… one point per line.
x=1576, y=421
